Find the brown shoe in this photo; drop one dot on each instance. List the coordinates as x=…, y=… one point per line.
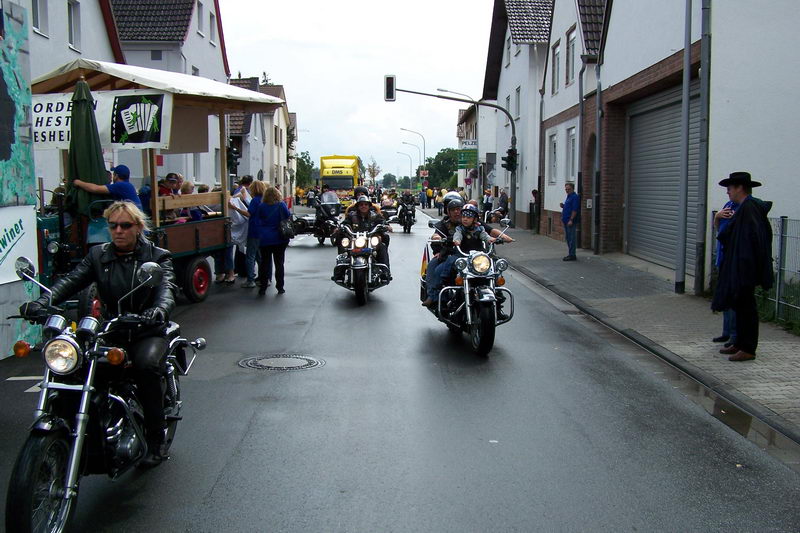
x=428, y=302
x=741, y=356
x=730, y=350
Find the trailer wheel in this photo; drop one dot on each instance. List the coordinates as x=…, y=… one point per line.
x=89, y=303
x=197, y=279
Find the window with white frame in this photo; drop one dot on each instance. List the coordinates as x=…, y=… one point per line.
x=508, y=51
x=275, y=136
x=200, y=16
x=39, y=15
x=572, y=155
x=196, y=166
x=569, y=66
x=517, y=103
x=212, y=27
x=74, y=24
x=508, y=107
x=554, y=68
x=553, y=154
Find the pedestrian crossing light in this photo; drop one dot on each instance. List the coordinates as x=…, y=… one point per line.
x=389, y=92
x=510, y=160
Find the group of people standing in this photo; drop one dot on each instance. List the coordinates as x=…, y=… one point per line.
x=256, y=210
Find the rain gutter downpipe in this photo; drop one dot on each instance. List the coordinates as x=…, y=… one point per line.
x=702, y=171
x=579, y=179
x=683, y=189
x=596, y=178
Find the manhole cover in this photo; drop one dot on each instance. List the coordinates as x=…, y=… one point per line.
x=281, y=362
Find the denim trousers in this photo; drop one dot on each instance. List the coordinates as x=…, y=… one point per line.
x=223, y=260
x=729, y=324
x=437, y=271
x=252, y=256
x=569, y=233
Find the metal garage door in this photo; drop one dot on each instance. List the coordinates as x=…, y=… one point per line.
x=654, y=170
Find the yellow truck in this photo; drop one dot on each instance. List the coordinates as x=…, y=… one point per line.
x=341, y=174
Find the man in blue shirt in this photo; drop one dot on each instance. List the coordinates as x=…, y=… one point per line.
x=570, y=215
x=119, y=189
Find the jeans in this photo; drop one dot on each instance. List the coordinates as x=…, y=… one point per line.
x=273, y=253
x=252, y=256
x=729, y=325
x=437, y=271
x=569, y=233
x=223, y=260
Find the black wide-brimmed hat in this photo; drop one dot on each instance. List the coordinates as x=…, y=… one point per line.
x=740, y=178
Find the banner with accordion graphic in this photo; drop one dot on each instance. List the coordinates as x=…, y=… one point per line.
x=132, y=119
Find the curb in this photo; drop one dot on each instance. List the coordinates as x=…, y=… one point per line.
x=741, y=401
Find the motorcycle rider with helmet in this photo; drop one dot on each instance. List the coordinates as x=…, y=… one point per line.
x=113, y=266
x=363, y=218
x=444, y=255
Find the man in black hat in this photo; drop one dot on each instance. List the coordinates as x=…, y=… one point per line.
x=747, y=262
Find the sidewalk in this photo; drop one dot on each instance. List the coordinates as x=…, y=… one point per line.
x=637, y=299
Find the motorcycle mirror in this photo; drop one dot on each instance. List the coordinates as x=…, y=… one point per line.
x=432, y=222
x=24, y=268
x=150, y=274
x=506, y=222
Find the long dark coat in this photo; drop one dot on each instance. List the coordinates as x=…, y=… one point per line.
x=747, y=261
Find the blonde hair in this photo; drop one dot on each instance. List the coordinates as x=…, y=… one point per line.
x=131, y=210
x=187, y=187
x=272, y=195
x=257, y=188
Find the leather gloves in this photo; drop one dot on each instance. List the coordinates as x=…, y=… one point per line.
x=31, y=309
x=154, y=316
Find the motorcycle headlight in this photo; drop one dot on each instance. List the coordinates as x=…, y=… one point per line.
x=374, y=241
x=361, y=242
x=501, y=265
x=461, y=263
x=61, y=355
x=481, y=263
x=52, y=247
x=345, y=242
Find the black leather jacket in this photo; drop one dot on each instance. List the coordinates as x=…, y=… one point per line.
x=360, y=223
x=116, y=276
x=445, y=229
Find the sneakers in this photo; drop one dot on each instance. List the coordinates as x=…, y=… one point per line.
x=248, y=284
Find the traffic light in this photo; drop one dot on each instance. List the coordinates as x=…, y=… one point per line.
x=389, y=92
x=510, y=161
x=233, y=159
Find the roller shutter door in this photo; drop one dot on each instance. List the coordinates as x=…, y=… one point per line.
x=654, y=170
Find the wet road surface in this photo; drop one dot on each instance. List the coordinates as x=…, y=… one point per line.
x=404, y=429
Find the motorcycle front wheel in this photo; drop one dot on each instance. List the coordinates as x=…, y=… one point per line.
x=482, y=332
x=35, y=501
x=360, y=286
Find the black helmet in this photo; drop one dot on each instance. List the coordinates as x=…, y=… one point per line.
x=470, y=211
x=452, y=197
x=360, y=190
x=363, y=198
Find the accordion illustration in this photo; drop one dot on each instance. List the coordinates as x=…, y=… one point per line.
x=139, y=117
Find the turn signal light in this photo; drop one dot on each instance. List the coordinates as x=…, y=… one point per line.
x=21, y=349
x=501, y=281
x=459, y=281
x=116, y=356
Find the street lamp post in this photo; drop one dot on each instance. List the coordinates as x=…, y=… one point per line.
x=419, y=152
x=424, y=155
x=477, y=141
x=410, y=163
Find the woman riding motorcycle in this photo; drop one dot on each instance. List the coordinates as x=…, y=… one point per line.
x=112, y=266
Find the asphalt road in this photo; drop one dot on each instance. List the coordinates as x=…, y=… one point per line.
x=405, y=429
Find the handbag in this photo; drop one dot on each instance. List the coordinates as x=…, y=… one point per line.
x=286, y=229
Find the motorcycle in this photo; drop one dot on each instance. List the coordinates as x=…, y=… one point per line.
x=88, y=419
x=357, y=268
x=474, y=303
x=405, y=216
x=388, y=206
x=322, y=225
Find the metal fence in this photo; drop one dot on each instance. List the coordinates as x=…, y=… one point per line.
x=782, y=302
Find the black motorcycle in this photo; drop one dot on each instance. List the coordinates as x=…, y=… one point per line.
x=322, y=224
x=475, y=303
x=405, y=215
x=89, y=419
x=357, y=268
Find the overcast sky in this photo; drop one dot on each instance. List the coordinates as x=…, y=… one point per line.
x=331, y=58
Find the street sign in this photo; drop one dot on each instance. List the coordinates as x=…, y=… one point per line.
x=469, y=143
x=467, y=158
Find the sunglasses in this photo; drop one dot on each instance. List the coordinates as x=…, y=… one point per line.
x=123, y=225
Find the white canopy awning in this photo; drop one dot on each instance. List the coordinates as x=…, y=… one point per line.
x=187, y=90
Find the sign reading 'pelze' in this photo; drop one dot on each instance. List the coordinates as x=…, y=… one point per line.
x=125, y=119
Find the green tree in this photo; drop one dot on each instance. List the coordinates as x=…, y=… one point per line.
x=305, y=169
x=389, y=180
x=373, y=169
x=404, y=183
x=442, y=167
